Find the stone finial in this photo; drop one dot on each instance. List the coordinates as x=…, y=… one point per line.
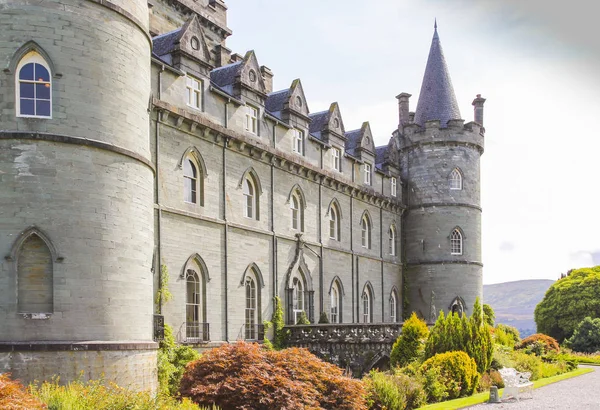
x=403, y=105
x=478, y=109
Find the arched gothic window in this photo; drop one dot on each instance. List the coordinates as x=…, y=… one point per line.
x=334, y=222
x=250, y=199
x=34, y=87
x=456, y=242
x=366, y=232
x=195, y=316
x=392, y=240
x=455, y=179
x=297, y=207
x=251, y=314
x=35, y=276
x=335, y=314
x=393, y=306
x=190, y=176
x=367, y=300
x=298, y=299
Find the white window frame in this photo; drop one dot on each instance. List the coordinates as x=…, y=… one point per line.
x=367, y=173
x=334, y=223
x=190, y=193
x=298, y=299
x=334, y=310
x=298, y=141
x=251, y=123
x=249, y=191
x=456, y=242
x=336, y=159
x=251, y=309
x=392, y=241
x=393, y=307
x=456, y=180
x=366, y=301
x=393, y=186
x=194, y=92
x=32, y=57
x=365, y=237
x=297, y=208
x=194, y=306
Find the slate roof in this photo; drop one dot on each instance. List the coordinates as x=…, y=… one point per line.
x=166, y=43
x=224, y=76
x=319, y=121
x=353, y=141
x=436, y=100
x=380, y=155
x=275, y=102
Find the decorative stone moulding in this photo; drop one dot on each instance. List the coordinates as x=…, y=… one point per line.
x=36, y=316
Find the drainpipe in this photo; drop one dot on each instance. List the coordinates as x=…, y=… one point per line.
x=226, y=234
x=157, y=190
x=320, y=233
x=274, y=239
x=352, y=250
x=381, y=256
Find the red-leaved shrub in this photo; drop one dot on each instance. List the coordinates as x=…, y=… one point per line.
x=246, y=376
x=539, y=343
x=14, y=396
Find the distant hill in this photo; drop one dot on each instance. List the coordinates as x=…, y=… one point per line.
x=514, y=302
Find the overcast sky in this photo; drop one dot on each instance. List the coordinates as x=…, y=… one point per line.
x=537, y=64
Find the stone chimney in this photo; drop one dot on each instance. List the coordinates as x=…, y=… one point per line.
x=267, y=76
x=478, y=104
x=223, y=55
x=403, y=108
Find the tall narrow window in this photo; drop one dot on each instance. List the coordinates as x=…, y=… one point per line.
x=249, y=193
x=251, y=328
x=194, y=92
x=392, y=241
x=367, y=174
x=334, y=222
x=365, y=232
x=190, y=176
x=35, y=281
x=251, y=119
x=298, y=299
x=298, y=141
x=34, y=87
x=393, y=307
x=455, y=179
x=335, y=315
x=456, y=242
x=194, y=316
x=366, y=302
x=336, y=160
x=297, y=208
x=393, y=186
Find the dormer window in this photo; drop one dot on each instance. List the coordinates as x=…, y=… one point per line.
x=367, y=174
x=194, y=92
x=298, y=141
x=251, y=119
x=336, y=160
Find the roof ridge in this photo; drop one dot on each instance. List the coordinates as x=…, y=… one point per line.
x=166, y=34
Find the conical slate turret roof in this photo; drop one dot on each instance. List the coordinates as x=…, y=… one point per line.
x=437, y=100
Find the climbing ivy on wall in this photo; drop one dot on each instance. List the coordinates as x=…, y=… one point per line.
x=163, y=294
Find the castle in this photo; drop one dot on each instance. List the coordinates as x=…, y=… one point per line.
x=136, y=149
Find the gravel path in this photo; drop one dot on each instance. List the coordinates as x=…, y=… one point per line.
x=578, y=393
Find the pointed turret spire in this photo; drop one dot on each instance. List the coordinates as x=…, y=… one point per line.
x=437, y=100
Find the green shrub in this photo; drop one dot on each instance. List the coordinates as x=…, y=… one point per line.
x=505, y=335
x=586, y=337
x=488, y=315
x=538, y=344
x=549, y=369
x=458, y=372
x=470, y=335
x=172, y=359
x=95, y=395
x=489, y=379
x=393, y=391
x=410, y=344
x=510, y=330
x=524, y=362
x=303, y=319
x=323, y=319
x=502, y=357
x=431, y=379
x=575, y=358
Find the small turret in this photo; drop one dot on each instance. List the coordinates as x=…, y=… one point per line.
x=478, y=109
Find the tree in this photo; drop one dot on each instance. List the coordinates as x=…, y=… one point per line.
x=567, y=302
x=411, y=343
x=586, y=337
x=488, y=315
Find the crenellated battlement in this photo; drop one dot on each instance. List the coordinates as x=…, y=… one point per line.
x=457, y=132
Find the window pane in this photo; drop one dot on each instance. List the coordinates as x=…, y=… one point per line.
x=42, y=108
x=42, y=91
x=27, y=90
x=41, y=74
x=27, y=107
x=26, y=72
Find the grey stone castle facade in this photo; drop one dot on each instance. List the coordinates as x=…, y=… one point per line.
x=136, y=148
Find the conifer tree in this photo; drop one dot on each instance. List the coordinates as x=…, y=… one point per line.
x=411, y=343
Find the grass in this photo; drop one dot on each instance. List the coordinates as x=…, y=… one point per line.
x=484, y=396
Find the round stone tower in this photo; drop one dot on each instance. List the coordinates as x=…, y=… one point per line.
x=441, y=169
x=76, y=226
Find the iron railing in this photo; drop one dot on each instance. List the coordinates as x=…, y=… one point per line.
x=159, y=328
x=194, y=332
x=254, y=332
